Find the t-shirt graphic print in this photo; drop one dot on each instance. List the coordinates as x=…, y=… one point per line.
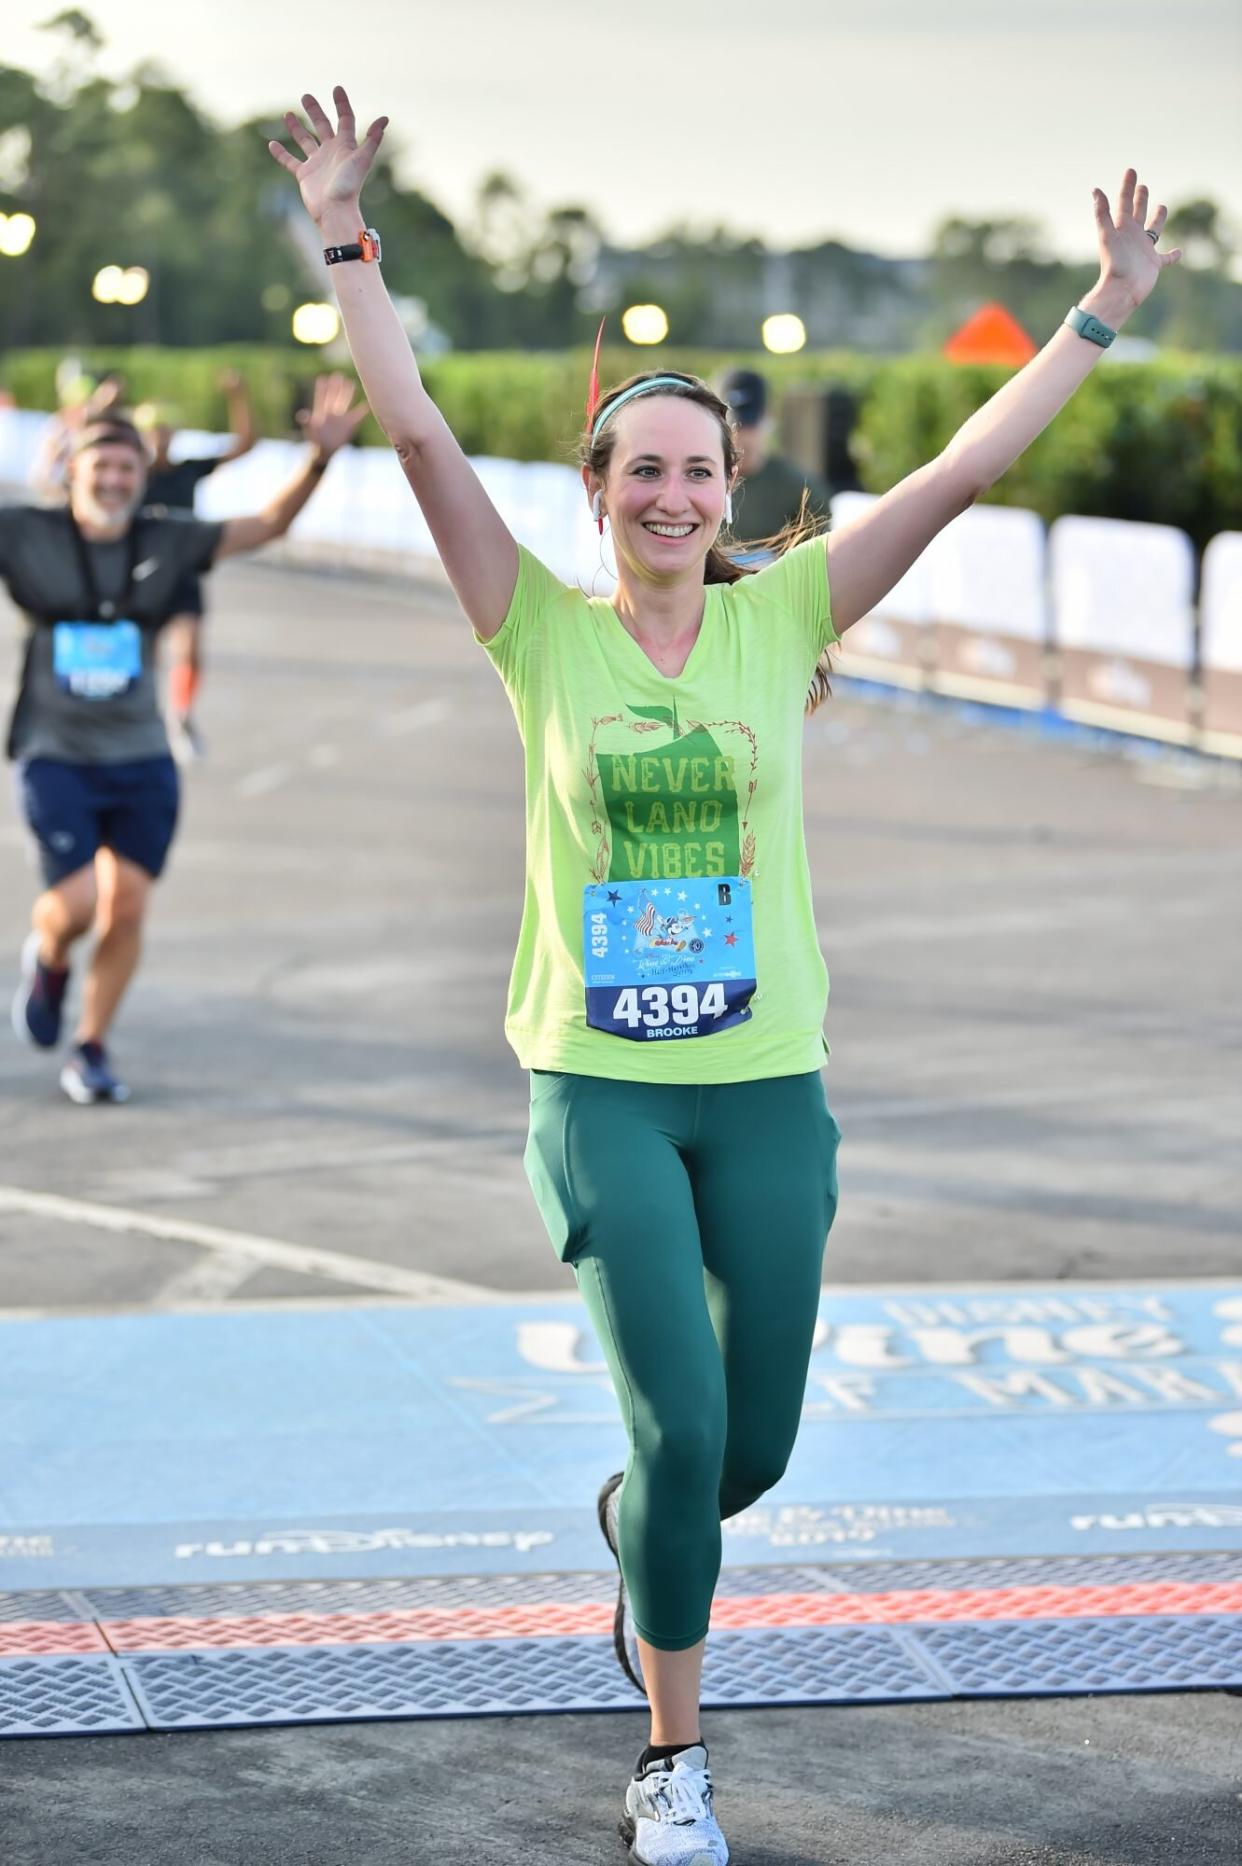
x=665, y=795
x=667, y=925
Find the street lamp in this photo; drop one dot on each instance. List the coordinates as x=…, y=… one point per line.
x=16, y=233
x=316, y=323
x=116, y=285
x=783, y=334
x=645, y=323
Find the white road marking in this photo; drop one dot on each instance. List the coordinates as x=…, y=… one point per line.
x=323, y=757
x=214, y=1277
x=426, y=713
x=241, y=1246
x=267, y=778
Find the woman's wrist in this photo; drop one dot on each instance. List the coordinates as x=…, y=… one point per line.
x=340, y=221
x=1109, y=300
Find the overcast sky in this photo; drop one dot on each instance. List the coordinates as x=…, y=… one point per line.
x=866, y=122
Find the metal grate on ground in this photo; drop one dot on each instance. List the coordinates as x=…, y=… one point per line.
x=256, y=1653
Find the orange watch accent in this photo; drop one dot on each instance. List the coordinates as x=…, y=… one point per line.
x=368, y=249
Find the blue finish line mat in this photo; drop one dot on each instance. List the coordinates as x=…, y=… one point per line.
x=273, y=1515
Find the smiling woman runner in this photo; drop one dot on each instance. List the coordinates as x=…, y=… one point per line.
x=668, y=993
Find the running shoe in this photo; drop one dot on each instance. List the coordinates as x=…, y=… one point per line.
x=668, y=1814
x=40, y=998
x=185, y=740
x=86, y=1076
x=607, y=1507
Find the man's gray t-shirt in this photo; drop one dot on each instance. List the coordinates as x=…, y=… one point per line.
x=61, y=713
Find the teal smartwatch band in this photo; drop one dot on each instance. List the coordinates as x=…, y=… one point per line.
x=1089, y=327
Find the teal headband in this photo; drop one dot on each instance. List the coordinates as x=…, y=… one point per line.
x=640, y=388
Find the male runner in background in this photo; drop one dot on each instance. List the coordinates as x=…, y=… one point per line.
x=96, y=580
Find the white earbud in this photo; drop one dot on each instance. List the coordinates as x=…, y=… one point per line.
x=597, y=507
x=728, y=508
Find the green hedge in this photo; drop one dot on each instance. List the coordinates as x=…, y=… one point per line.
x=1159, y=441
x=515, y=405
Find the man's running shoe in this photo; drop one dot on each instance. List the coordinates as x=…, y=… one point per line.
x=668, y=1814
x=40, y=998
x=607, y=1507
x=86, y=1076
x=185, y=740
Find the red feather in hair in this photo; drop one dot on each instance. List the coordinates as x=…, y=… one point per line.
x=593, y=391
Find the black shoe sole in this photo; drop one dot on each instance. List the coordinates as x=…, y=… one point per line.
x=618, y=1618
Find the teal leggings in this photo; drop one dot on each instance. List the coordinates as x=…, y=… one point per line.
x=694, y=1219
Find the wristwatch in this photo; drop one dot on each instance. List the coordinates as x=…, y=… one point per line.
x=367, y=249
x=1089, y=327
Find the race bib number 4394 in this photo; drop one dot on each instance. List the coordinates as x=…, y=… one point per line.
x=664, y=963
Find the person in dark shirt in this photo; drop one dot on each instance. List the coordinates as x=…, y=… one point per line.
x=96, y=580
x=770, y=487
x=172, y=484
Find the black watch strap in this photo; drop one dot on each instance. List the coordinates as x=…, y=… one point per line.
x=366, y=247
x=333, y=255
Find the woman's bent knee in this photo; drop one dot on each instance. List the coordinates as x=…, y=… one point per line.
x=739, y=1488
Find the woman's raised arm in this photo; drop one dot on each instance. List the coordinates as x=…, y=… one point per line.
x=871, y=554
x=475, y=545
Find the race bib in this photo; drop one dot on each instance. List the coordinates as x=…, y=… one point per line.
x=96, y=660
x=663, y=963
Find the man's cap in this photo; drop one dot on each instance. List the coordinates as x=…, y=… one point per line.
x=746, y=392
x=109, y=430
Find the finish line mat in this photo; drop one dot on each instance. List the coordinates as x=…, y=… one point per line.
x=376, y=1511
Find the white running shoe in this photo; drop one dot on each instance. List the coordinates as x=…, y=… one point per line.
x=668, y=1814
x=623, y=1643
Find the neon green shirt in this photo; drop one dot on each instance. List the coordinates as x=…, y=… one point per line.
x=634, y=776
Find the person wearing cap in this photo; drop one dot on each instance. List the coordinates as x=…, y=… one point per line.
x=96, y=580
x=173, y=483
x=773, y=492
x=668, y=990
x=82, y=400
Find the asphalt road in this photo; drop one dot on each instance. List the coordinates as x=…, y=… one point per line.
x=1035, y=1026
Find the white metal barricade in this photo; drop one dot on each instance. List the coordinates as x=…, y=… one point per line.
x=988, y=592
x=1220, y=643
x=894, y=643
x=1123, y=602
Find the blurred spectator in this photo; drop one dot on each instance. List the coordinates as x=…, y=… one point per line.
x=172, y=483
x=770, y=491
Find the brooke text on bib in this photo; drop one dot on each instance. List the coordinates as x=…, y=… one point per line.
x=666, y=962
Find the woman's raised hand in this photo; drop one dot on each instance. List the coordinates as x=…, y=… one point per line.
x=1128, y=255
x=336, y=163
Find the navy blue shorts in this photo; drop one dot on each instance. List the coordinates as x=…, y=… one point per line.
x=74, y=810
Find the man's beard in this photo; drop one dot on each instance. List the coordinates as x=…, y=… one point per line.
x=111, y=517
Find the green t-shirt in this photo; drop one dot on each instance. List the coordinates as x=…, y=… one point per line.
x=632, y=776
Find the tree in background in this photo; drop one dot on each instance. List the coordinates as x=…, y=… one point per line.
x=133, y=173
x=1007, y=260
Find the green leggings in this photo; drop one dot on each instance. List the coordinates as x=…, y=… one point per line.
x=694, y=1219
